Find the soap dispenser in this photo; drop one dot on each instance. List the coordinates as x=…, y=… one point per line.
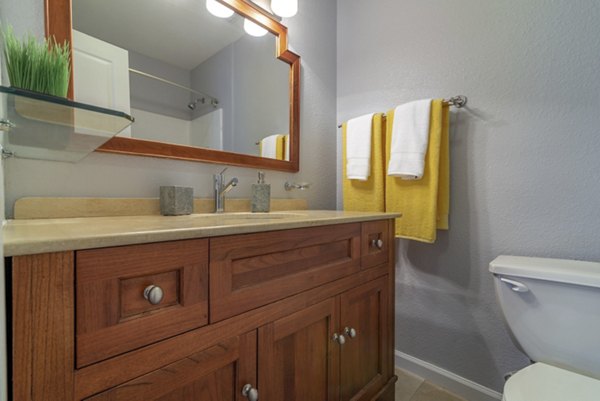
x=261, y=194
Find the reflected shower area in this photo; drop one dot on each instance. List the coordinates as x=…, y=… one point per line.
x=203, y=82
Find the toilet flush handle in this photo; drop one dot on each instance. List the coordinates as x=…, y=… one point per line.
x=515, y=285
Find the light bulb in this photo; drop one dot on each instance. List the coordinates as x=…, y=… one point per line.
x=253, y=29
x=218, y=10
x=284, y=8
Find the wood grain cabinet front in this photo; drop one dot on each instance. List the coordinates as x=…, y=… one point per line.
x=291, y=315
x=332, y=351
x=218, y=373
x=252, y=270
x=131, y=296
x=364, y=362
x=375, y=243
x=298, y=360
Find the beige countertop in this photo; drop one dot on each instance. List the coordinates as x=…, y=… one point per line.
x=31, y=236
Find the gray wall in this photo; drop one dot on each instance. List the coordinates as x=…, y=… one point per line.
x=11, y=12
x=20, y=13
x=215, y=77
x=261, y=88
x=250, y=83
x=155, y=96
x=525, y=154
x=312, y=34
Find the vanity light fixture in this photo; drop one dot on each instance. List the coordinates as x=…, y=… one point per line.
x=218, y=10
x=253, y=29
x=281, y=8
x=284, y=8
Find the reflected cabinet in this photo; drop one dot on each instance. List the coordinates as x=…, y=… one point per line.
x=200, y=88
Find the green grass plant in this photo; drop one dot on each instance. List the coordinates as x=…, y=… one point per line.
x=37, y=66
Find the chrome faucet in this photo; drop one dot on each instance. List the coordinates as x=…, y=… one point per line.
x=221, y=189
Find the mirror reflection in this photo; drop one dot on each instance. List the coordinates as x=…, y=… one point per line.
x=186, y=76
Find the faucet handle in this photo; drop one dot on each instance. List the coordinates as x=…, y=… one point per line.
x=292, y=185
x=224, y=170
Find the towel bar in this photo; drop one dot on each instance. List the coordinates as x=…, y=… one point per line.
x=459, y=102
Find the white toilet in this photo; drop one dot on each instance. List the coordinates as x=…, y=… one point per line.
x=552, y=308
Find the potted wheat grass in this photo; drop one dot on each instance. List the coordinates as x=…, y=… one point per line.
x=41, y=67
x=38, y=66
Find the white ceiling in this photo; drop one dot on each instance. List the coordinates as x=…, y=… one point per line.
x=178, y=32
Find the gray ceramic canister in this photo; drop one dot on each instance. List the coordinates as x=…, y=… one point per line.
x=176, y=201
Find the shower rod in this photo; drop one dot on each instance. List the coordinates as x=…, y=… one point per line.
x=213, y=101
x=459, y=101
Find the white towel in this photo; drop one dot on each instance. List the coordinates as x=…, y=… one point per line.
x=286, y=152
x=268, y=146
x=358, y=147
x=410, y=137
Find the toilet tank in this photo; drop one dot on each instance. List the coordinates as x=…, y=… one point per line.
x=552, y=309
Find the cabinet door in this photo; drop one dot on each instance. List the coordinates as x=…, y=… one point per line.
x=217, y=374
x=365, y=322
x=101, y=74
x=297, y=358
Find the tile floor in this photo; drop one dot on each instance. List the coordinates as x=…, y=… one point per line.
x=413, y=388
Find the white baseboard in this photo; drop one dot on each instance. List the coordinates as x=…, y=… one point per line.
x=454, y=383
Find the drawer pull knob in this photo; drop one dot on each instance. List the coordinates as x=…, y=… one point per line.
x=377, y=243
x=154, y=294
x=339, y=338
x=250, y=393
x=350, y=332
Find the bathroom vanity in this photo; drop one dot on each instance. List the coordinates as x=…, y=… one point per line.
x=284, y=306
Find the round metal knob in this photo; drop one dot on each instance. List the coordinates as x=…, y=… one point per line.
x=377, y=243
x=154, y=294
x=350, y=332
x=339, y=338
x=249, y=392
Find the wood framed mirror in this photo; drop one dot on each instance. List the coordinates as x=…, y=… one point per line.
x=59, y=17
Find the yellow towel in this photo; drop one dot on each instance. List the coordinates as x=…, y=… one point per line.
x=443, y=206
x=369, y=195
x=286, y=148
x=424, y=203
x=280, y=147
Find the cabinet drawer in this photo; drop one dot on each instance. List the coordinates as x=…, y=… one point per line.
x=217, y=373
x=252, y=270
x=375, y=243
x=112, y=314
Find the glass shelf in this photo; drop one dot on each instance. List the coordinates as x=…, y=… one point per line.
x=38, y=126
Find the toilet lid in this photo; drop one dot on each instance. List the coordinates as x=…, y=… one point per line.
x=541, y=382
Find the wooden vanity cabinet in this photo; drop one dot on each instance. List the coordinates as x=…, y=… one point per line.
x=314, y=320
